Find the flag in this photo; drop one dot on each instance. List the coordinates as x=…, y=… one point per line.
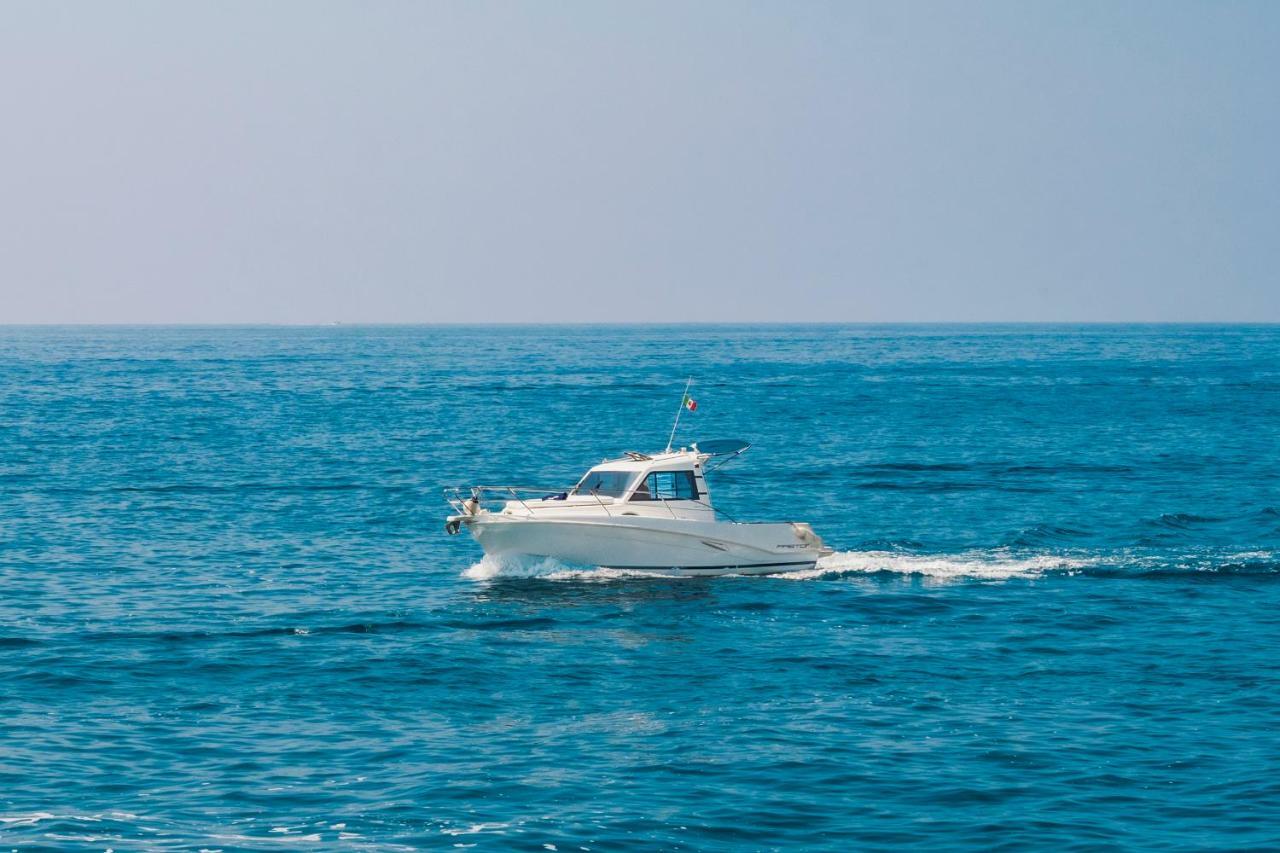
x=690, y=403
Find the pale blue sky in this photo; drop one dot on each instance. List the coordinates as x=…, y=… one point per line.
x=584, y=161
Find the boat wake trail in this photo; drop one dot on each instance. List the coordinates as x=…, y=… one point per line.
x=492, y=568
x=1006, y=564
x=992, y=565
x=546, y=568
x=982, y=565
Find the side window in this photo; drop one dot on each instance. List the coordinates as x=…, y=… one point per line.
x=667, y=486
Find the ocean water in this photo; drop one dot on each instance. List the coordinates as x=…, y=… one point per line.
x=230, y=618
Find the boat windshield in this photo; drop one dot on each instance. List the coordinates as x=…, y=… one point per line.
x=609, y=484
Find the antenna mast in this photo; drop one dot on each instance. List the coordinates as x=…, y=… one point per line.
x=680, y=409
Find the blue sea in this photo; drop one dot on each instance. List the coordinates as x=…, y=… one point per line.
x=230, y=617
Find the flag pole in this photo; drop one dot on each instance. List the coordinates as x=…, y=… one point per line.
x=680, y=409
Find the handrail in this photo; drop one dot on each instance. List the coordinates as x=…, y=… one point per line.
x=666, y=501
x=717, y=511
x=515, y=495
x=596, y=495
x=455, y=496
x=478, y=492
x=507, y=488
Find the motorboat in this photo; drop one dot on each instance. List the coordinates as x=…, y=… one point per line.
x=638, y=512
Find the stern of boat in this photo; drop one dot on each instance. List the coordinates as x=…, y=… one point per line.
x=805, y=535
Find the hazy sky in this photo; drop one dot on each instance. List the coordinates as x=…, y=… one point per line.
x=579, y=161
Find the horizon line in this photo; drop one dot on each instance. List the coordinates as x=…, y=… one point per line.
x=619, y=323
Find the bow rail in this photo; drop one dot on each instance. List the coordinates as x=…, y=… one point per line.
x=486, y=496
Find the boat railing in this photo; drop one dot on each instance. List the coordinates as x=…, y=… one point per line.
x=718, y=511
x=459, y=496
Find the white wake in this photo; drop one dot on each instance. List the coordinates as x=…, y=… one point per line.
x=510, y=567
x=979, y=565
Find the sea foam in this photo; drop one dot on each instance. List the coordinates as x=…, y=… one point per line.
x=979, y=565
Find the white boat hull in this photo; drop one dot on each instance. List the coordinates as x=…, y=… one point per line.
x=647, y=544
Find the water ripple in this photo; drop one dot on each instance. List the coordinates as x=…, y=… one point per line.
x=231, y=621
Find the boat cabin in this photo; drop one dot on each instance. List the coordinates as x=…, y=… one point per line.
x=640, y=478
x=670, y=483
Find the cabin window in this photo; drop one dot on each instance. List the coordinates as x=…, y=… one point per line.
x=667, y=486
x=609, y=484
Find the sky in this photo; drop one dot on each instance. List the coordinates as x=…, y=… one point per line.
x=560, y=161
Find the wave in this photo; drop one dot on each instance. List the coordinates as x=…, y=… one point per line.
x=230, y=488
x=974, y=565
x=1183, y=520
x=1003, y=565
x=1046, y=535
x=1255, y=564
x=510, y=567
x=993, y=565
x=992, y=467
x=199, y=635
x=978, y=565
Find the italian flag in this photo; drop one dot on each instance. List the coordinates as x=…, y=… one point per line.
x=690, y=403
